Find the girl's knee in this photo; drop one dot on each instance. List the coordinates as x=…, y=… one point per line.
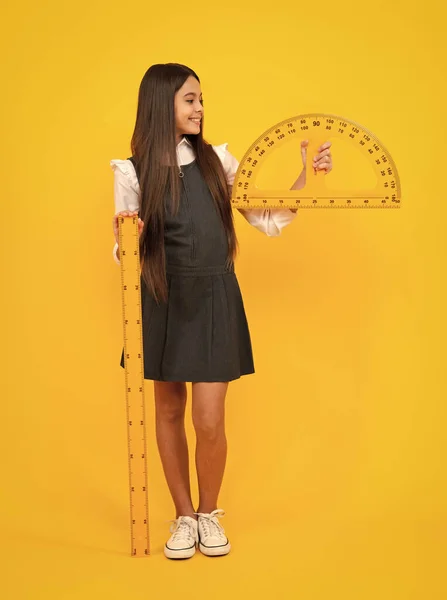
x=170, y=399
x=208, y=424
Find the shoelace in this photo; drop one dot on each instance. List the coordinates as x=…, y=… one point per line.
x=211, y=525
x=181, y=527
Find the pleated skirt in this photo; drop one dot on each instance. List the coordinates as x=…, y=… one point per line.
x=201, y=333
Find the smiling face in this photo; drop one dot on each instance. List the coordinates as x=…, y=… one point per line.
x=188, y=108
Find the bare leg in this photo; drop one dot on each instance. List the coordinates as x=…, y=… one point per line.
x=170, y=404
x=208, y=415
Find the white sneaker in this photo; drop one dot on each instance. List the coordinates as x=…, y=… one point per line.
x=212, y=538
x=184, y=538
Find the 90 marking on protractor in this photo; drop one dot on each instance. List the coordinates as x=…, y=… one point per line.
x=317, y=128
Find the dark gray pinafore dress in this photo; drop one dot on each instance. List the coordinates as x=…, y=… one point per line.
x=201, y=333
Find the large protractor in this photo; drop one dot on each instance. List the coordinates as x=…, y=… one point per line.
x=317, y=128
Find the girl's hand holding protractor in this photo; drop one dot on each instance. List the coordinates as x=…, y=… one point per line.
x=323, y=160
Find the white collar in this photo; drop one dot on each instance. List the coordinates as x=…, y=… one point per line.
x=184, y=140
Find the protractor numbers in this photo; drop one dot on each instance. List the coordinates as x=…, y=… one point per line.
x=321, y=127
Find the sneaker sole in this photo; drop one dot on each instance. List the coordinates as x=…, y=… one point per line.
x=179, y=554
x=215, y=550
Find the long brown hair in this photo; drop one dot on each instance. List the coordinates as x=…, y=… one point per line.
x=154, y=155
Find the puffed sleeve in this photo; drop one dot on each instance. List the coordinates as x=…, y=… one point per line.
x=126, y=190
x=267, y=220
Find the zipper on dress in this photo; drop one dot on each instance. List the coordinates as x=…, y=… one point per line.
x=193, y=244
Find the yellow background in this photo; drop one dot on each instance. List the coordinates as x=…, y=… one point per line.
x=335, y=481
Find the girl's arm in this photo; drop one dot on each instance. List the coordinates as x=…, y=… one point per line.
x=267, y=220
x=299, y=184
x=281, y=216
x=126, y=191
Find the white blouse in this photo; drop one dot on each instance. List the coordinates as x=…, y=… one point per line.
x=127, y=190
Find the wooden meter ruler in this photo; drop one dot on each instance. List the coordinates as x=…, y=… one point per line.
x=134, y=384
x=317, y=128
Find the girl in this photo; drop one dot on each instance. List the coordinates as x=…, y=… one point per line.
x=194, y=323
